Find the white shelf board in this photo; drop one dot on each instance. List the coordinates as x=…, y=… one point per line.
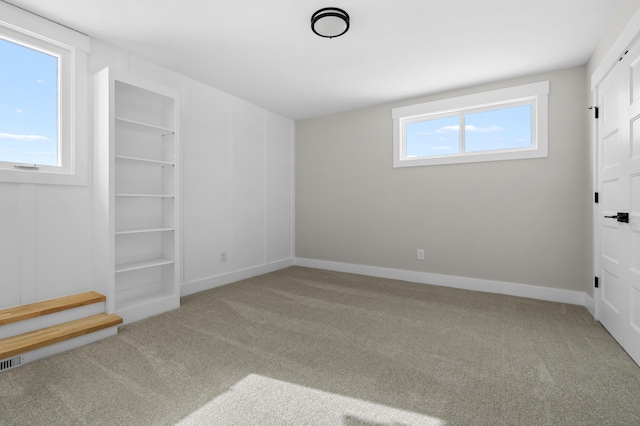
x=146, y=140
x=136, y=307
x=143, y=230
x=128, y=302
x=134, y=266
x=142, y=161
x=137, y=126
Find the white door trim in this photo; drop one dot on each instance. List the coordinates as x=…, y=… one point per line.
x=595, y=207
x=626, y=38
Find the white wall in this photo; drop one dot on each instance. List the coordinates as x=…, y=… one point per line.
x=45, y=249
x=238, y=189
x=45, y=230
x=237, y=197
x=237, y=178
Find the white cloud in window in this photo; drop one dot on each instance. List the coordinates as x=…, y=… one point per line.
x=487, y=129
x=446, y=129
x=470, y=128
x=40, y=81
x=23, y=138
x=19, y=111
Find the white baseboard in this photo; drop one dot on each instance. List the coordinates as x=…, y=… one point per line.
x=464, y=283
x=590, y=304
x=475, y=284
x=220, y=280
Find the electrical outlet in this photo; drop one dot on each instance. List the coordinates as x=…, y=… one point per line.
x=223, y=256
x=420, y=254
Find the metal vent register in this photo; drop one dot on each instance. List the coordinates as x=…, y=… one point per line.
x=9, y=363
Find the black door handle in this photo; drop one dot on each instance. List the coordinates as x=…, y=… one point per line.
x=621, y=217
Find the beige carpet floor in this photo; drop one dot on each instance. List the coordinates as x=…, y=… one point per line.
x=309, y=347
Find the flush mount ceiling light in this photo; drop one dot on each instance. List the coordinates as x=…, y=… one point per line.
x=330, y=22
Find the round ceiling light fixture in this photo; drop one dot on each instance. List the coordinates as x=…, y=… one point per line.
x=330, y=22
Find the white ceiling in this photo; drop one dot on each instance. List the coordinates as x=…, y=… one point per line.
x=265, y=52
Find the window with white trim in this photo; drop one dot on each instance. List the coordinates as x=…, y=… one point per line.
x=43, y=117
x=505, y=124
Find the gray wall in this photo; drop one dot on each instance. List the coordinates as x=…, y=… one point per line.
x=523, y=221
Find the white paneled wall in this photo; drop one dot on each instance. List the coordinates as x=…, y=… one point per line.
x=10, y=245
x=206, y=182
x=237, y=198
x=45, y=249
x=248, y=185
x=237, y=183
x=63, y=228
x=238, y=189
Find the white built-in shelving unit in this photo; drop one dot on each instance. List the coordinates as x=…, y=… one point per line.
x=136, y=194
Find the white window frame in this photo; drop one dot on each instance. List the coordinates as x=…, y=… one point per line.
x=71, y=49
x=535, y=94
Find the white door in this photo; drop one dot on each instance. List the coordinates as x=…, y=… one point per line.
x=618, y=296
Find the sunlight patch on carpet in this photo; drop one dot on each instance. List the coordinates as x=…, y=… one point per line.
x=261, y=400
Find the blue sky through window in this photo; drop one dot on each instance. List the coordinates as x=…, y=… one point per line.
x=440, y=136
x=504, y=128
x=28, y=105
x=499, y=129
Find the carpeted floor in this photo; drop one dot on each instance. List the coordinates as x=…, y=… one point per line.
x=309, y=347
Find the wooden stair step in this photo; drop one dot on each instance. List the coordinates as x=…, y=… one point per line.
x=21, y=313
x=47, y=336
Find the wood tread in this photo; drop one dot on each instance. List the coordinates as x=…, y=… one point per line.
x=58, y=333
x=21, y=313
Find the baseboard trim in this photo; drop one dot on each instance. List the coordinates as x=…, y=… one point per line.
x=589, y=303
x=475, y=284
x=231, y=277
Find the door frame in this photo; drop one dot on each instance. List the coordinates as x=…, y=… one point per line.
x=628, y=36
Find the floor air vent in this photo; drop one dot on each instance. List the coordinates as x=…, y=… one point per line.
x=9, y=363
